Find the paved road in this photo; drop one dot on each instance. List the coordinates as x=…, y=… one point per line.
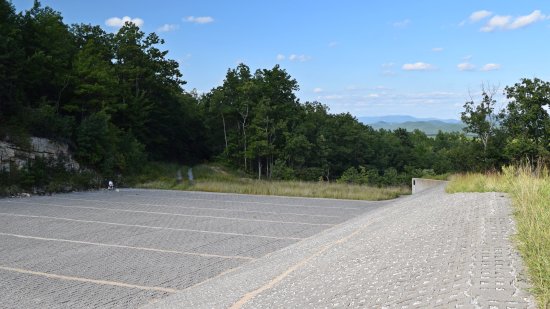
x=430, y=250
x=135, y=247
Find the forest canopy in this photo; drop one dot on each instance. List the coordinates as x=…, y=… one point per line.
x=119, y=101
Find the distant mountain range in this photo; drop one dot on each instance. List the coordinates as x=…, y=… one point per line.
x=402, y=119
x=430, y=126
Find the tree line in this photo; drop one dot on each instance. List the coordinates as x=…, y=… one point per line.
x=115, y=98
x=119, y=101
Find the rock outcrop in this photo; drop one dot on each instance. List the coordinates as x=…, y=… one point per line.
x=13, y=156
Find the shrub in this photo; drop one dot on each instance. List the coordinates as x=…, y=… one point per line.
x=281, y=171
x=354, y=176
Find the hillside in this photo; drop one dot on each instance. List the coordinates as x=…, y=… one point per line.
x=429, y=127
x=401, y=119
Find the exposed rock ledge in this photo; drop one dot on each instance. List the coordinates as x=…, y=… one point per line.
x=14, y=156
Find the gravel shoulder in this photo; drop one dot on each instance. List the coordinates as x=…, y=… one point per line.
x=428, y=250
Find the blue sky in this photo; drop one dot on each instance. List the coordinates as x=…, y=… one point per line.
x=422, y=58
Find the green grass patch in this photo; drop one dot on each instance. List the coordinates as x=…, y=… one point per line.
x=530, y=193
x=217, y=178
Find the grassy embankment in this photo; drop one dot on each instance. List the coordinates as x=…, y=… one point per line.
x=530, y=193
x=214, y=178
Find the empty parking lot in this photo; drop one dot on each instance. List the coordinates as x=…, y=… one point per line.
x=130, y=248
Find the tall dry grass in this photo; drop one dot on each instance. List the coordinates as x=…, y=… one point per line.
x=529, y=189
x=216, y=178
x=302, y=189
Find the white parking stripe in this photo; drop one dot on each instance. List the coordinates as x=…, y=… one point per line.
x=128, y=247
x=257, y=203
x=150, y=227
x=174, y=214
x=199, y=208
x=79, y=279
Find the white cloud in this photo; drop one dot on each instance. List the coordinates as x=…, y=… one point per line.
x=497, y=22
x=437, y=49
x=199, y=20
x=526, y=20
x=293, y=57
x=402, y=24
x=479, y=15
x=490, y=67
x=418, y=66
x=466, y=66
x=118, y=22
x=318, y=90
x=301, y=58
x=167, y=28
x=333, y=44
x=509, y=23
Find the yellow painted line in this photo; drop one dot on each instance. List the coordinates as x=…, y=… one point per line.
x=273, y=282
x=174, y=214
x=199, y=208
x=223, y=273
x=149, y=227
x=128, y=247
x=79, y=279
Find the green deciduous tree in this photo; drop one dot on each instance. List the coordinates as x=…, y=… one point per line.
x=118, y=100
x=49, y=48
x=11, y=60
x=481, y=120
x=94, y=82
x=96, y=142
x=526, y=119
